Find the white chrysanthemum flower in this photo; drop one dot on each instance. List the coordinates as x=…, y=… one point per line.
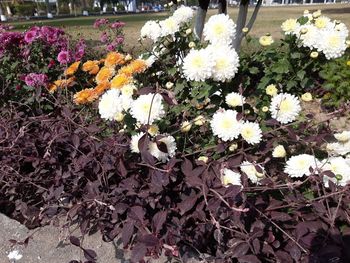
x=126, y=102
x=341, y=169
x=151, y=30
x=251, y=132
x=289, y=26
x=134, y=143
x=198, y=65
x=309, y=35
x=183, y=14
x=219, y=29
x=234, y=99
x=299, y=165
x=128, y=90
x=230, y=177
x=285, y=107
x=338, y=148
x=147, y=108
x=279, y=152
x=331, y=43
x=343, y=137
x=342, y=29
x=225, y=125
x=169, y=26
x=110, y=104
x=253, y=174
x=322, y=22
x=14, y=255
x=169, y=141
x=226, y=62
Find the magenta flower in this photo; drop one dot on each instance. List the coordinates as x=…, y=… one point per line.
x=30, y=36
x=100, y=22
x=104, y=37
x=117, y=24
x=119, y=40
x=110, y=47
x=36, y=80
x=63, y=57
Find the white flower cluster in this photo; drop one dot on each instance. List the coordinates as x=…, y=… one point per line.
x=218, y=60
x=114, y=102
x=230, y=177
x=225, y=125
x=342, y=146
x=156, y=29
x=319, y=33
x=147, y=108
x=306, y=164
x=252, y=173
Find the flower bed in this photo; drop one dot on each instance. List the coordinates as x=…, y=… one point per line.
x=195, y=147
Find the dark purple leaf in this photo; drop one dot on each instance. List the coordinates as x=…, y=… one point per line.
x=138, y=252
x=248, y=259
x=127, y=232
x=158, y=221
x=149, y=240
x=90, y=254
x=75, y=241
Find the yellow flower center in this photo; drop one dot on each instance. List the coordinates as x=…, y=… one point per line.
x=221, y=63
x=218, y=29
x=197, y=62
x=286, y=106
x=247, y=133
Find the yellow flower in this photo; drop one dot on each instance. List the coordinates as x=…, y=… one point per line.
x=62, y=83
x=279, y=152
x=104, y=74
x=203, y=159
x=306, y=97
x=348, y=63
x=186, y=126
x=113, y=59
x=271, y=90
x=119, y=117
x=265, y=40
x=314, y=54
x=169, y=85
x=85, y=96
x=72, y=69
x=119, y=81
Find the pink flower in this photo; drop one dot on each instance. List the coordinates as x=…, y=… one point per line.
x=36, y=80
x=119, y=40
x=117, y=24
x=99, y=22
x=63, y=57
x=104, y=37
x=30, y=36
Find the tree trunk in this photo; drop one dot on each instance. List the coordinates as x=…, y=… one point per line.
x=48, y=9
x=57, y=7
x=8, y=9
x=222, y=7
x=200, y=17
x=2, y=16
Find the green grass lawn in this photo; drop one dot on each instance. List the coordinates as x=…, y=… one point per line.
x=269, y=20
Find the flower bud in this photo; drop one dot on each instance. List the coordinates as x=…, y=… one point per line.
x=279, y=152
x=303, y=31
x=191, y=45
x=119, y=117
x=306, y=97
x=203, y=159
x=314, y=54
x=169, y=85
x=338, y=177
x=199, y=120
x=265, y=109
x=233, y=147
x=128, y=57
x=316, y=14
x=188, y=31
x=170, y=4
x=186, y=126
x=245, y=29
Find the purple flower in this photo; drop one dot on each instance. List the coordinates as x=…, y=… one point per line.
x=63, y=57
x=99, y=22
x=117, y=24
x=119, y=40
x=110, y=47
x=36, y=80
x=30, y=36
x=104, y=37
x=79, y=50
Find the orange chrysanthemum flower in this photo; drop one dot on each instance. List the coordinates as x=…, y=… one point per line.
x=89, y=65
x=72, y=69
x=100, y=88
x=85, y=96
x=62, y=83
x=120, y=80
x=113, y=59
x=104, y=75
x=138, y=65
